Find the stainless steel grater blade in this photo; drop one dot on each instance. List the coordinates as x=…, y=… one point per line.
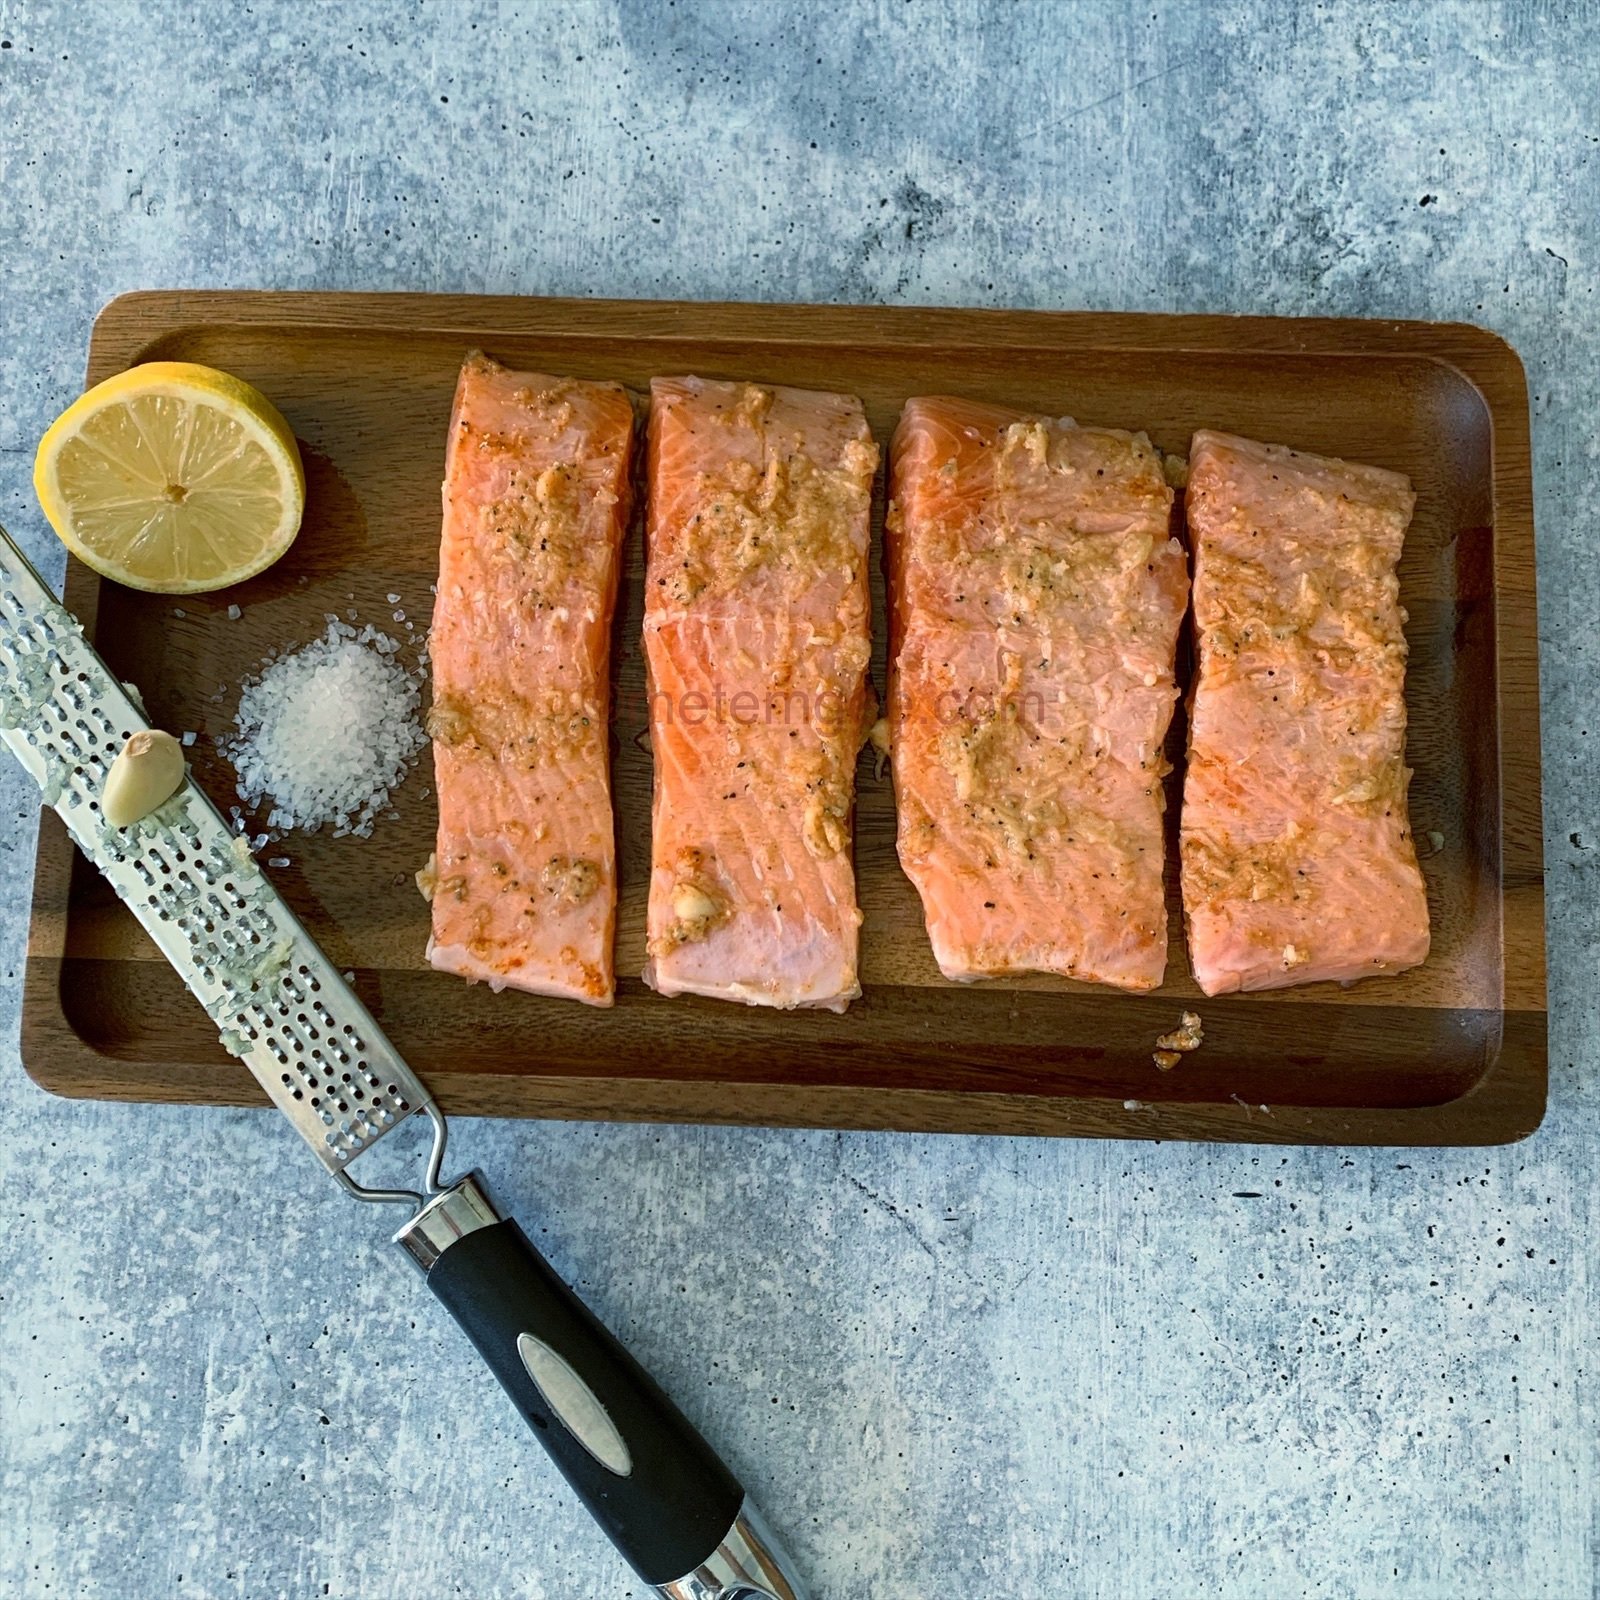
x=669, y=1504
x=279, y=1003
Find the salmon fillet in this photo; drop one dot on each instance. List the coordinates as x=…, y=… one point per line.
x=756, y=639
x=535, y=510
x=1035, y=598
x=1298, y=862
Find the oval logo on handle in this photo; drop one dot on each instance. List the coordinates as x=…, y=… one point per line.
x=575, y=1404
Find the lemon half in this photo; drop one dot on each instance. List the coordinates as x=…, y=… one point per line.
x=173, y=478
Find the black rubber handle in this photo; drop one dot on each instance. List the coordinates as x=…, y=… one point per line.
x=670, y=1509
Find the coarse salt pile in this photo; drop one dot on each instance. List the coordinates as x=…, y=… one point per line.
x=326, y=732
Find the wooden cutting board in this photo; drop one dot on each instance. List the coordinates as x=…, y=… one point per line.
x=1452, y=1053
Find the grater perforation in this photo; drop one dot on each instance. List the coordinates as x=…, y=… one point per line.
x=280, y=1005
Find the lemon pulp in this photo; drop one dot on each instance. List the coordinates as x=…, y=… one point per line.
x=172, y=477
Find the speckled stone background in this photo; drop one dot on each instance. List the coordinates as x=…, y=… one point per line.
x=946, y=1366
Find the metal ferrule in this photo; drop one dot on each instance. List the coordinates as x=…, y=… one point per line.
x=747, y=1565
x=461, y=1209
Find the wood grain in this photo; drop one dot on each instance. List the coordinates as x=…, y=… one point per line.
x=1453, y=1052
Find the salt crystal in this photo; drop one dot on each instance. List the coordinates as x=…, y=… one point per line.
x=179, y=612
x=187, y=740
x=393, y=599
x=399, y=616
x=326, y=732
x=277, y=861
x=234, y=613
x=350, y=977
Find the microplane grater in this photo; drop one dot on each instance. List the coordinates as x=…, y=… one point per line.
x=192, y=883
x=670, y=1505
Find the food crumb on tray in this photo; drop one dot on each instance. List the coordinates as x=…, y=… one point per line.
x=879, y=737
x=427, y=877
x=1172, y=1047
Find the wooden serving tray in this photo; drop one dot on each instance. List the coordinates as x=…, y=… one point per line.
x=1452, y=1053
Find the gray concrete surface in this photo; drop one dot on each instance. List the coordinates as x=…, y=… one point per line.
x=947, y=1366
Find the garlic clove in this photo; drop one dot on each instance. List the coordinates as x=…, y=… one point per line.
x=148, y=770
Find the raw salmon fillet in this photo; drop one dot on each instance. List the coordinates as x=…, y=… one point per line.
x=535, y=509
x=1298, y=862
x=756, y=640
x=1035, y=596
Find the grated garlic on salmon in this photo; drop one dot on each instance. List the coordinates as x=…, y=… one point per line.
x=756, y=643
x=1035, y=598
x=535, y=511
x=1297, y=857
